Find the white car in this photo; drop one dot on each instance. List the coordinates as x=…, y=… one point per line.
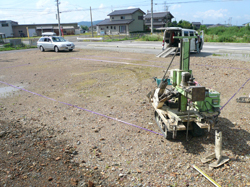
x=56, y=43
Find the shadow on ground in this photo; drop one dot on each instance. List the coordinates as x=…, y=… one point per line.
x=234, y=139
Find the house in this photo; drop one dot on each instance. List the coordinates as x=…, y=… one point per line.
x=2, y=37
x=196, y=25
x=159, y=19
x=94, y=28
x=246, y=24
x=37, y=29
x=122, y=22
x=6, y=27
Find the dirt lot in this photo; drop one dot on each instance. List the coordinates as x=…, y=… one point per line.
x=71, y=123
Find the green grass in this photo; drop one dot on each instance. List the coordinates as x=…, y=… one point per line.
x=228, y=34
x=216, y=54
x=9, y=47
x=154, y=37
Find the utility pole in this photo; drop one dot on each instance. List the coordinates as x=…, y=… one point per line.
x=152, y=29
x=58, y=18
x=91, y=22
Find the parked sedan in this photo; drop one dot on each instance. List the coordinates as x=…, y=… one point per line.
x=56, y=43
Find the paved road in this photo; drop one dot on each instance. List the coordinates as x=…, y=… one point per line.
x=155, y=47
x=234, y=50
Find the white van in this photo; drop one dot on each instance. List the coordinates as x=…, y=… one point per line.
x=169, y=43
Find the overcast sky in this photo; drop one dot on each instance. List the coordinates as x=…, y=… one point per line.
x=236, y=12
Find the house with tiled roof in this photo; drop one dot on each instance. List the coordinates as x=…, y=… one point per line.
x=159, y=19
x=196, y=25
x=122, y=22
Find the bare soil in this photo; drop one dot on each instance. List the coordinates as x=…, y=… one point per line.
x=71, y=121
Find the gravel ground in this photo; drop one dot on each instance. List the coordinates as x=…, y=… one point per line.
x=71, y=121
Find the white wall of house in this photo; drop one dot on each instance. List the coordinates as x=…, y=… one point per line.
x=247, y=24
x=112, y=29
x=6, y=28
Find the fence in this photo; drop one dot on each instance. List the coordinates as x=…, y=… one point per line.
x=20, y=42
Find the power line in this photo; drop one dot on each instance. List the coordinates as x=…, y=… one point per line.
x=141, y=4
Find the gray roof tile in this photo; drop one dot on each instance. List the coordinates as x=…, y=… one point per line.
x=125, y=11
x=158, y=15
x=115, y=22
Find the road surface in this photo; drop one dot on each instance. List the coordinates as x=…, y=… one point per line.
x=156, y=47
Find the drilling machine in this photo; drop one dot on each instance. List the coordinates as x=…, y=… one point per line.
x=186, y=105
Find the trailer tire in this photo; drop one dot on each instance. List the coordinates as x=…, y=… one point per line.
x=197, y=131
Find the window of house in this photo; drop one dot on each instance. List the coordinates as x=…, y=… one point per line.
x=5, y=24
x=191, y=33
x=111, y=27
x=20, y=31
x=159, y=19
x=114, y=27
x=140, y=17
x=113, y=17
x=122, y=17
x=185, y=33
x=107, y=27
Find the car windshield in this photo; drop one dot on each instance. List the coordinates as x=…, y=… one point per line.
x=58, y=39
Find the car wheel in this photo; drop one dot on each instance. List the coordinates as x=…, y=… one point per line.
x=41, y=49
x=70, y=49
x=56, y=49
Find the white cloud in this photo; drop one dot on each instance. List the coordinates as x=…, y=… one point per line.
x=212, y=14
x=246, y=16
x=101, y=6
x=42, y=3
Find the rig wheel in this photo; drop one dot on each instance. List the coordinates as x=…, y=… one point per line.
x=167, y=134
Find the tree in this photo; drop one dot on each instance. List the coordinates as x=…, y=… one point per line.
x=85, y=28
x=172, y=24
x=204, y=28
x=185, y=24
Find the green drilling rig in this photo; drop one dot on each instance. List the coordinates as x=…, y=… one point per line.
x=182, y=104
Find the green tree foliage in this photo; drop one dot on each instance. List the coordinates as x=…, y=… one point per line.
x=84, y=27
x=185, y=24
x=204, y=28
x=182, y=23
x=172, y=24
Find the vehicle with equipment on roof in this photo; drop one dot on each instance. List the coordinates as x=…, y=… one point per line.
x=56, y=43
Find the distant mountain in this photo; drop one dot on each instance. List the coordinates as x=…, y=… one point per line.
x=88, y=23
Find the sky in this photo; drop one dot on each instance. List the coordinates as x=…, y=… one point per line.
x=235, y=12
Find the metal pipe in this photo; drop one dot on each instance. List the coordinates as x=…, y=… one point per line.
x=207, y=177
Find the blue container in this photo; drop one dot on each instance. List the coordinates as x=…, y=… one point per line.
x=158, y=81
